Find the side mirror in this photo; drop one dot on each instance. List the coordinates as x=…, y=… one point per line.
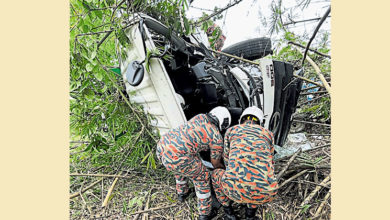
x=135, y=73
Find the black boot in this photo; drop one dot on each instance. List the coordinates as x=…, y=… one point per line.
x=229, y=213
x=250, y=213
x=210, y=216
x=183, y=196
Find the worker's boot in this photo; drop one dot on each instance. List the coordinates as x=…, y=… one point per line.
x=250, y=213
x=183, y=196
x=229, y=213
x=210, y=216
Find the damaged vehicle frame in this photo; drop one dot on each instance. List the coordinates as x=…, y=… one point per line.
x=192, y=79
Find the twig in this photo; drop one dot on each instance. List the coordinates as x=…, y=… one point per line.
x=146, y=215
x=93, y=33
x=288, y=164
x=322, y=204
x=314, y=123
x=295, y=22
x=315, y=51
x=153, y=209
x=319, y=97
x=318, y=71
x=318, y=134
x=292, y=178
x=305, y=181
x=85, y=189
x=100, y=175
x=109, y=193
x=308, y=80
x=314, y=192
x=313, y=93
x=315, y=32
x=217, y=12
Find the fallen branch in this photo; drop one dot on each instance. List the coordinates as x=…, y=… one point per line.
x=85, y=189
x=308, y=80
x=100, y=175
x=109, y=193
x=322, y=204
x=153, y=209
x=313, y=93
x=318, y=71
x=314, y=192
x=146, y=215
x=318, y=134
x=314, y=123
x=288, y=164
x=292, y=178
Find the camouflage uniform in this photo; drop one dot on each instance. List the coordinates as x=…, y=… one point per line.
x=178, y=150
x=221, y=39
x=249, y=175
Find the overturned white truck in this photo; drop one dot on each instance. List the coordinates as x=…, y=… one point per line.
x=190, y=79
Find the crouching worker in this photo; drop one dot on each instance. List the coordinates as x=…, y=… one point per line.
x=178, y=150
x=248, y=155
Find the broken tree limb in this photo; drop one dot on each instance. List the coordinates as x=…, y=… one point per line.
x=314, y=123
x=318, y=71
x=313, y=93
x=100, y=175
x=145, y=216
x=322, y=204
x=314, y=192
x=308, y=80
x=292, y=178
x=288, y=164
x=105, y=202
x=153, y=209
x=85, y=189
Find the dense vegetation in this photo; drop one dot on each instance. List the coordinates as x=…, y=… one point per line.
x=107, y=130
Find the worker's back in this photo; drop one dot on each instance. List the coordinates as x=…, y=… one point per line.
x=196, y=135
x=249, y=168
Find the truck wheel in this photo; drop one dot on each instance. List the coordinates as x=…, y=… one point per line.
x=251, y=49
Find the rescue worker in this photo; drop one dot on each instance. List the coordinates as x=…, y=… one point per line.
x=248, y=156
x=178, y=150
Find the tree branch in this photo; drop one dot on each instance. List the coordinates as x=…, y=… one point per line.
x=295, y=22
x=314, y=34
x=217, y=12
x=315, y=51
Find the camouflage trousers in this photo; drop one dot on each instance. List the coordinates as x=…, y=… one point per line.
x=188, y=167
x=226, y=192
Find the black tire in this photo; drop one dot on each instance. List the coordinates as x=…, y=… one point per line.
x=251, y=49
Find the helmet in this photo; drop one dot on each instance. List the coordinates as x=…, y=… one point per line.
x=222, y=114
x=181, y=100
x=253, y=111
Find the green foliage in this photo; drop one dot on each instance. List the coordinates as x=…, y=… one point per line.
x=99, y=113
